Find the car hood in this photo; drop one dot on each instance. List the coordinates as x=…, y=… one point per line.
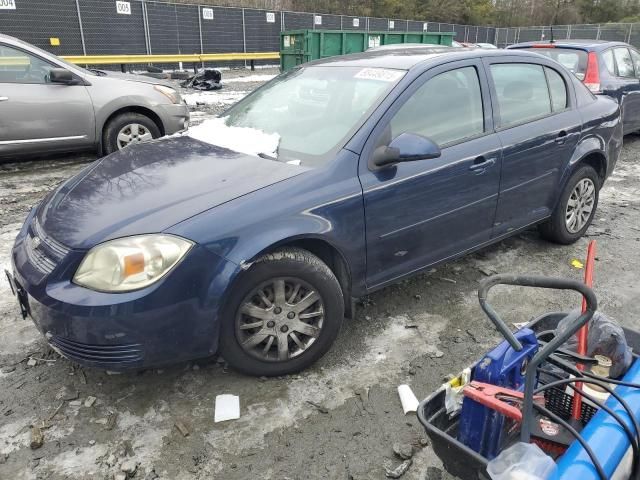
x=132, y=77
x=150, y=187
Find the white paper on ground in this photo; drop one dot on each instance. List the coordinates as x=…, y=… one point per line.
x=408, y=399
x=227, y=408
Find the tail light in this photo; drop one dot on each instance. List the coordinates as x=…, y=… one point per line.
x=592, y=75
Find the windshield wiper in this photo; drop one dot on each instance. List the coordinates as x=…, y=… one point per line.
x=100, y=73
x=267, y=157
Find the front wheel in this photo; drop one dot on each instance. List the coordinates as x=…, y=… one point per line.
x=576, y=208
x=128, y=129
x=283, y=314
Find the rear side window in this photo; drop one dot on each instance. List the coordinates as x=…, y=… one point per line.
x=624, y=62
x=557, y=89
x=635, y=56
x=522, y=92
x=446, y=109
x=609, y=62
x=573, y=60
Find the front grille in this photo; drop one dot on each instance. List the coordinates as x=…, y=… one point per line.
x=104, y=354
x=43, y=251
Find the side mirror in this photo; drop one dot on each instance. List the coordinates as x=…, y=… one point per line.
x=61, y=75
x=406, y=147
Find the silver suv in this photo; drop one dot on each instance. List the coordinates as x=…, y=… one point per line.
x=48, y=105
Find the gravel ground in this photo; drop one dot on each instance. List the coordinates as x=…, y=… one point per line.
x=340, y=418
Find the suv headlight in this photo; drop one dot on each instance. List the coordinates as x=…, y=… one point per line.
x=130, y=263
x=168, y=92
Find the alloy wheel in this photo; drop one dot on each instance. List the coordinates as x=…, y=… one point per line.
x=580, y=205
x=280, y=319
x=133, y=133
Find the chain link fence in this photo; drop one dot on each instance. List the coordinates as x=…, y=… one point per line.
x=622, y=32
x=114, y=27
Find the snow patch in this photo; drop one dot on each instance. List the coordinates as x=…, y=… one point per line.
x=389, y=351
x=79, y=461
x=240, y=139
x=251, y=78
x=215, y=97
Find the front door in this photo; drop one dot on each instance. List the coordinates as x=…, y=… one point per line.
x=418, y=213
x=36, y=115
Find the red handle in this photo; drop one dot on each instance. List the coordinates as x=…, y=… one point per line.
x=583, y=333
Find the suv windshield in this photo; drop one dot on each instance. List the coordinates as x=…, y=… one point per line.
x=313, y=110
x=573, y=60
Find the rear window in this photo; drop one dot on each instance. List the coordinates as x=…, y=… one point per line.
x=572, y=59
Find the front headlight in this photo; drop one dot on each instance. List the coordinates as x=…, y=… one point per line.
x=169, y=92
x=130, y=263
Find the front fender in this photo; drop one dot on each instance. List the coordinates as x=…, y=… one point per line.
x=326, y=205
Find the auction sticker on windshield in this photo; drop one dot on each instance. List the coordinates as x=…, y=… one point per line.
x=7, y=5
x=381, y=74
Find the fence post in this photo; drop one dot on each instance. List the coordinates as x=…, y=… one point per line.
x=145, y=24
x=282, y=28
x=598, y=34
x=341, y=27
x=629, y=35
x=244, y=37
x=569, y=32
x=84, y=48
x=201, y=42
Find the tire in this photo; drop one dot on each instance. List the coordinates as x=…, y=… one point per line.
x=557, y=229
x=146, y=128
x=291, y=266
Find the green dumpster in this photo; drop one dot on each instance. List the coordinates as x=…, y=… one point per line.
x=300, y=46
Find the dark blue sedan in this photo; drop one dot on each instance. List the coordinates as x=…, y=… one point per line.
x=347, y=174
x=607, y=68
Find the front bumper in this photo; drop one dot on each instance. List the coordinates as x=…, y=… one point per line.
x=174, y=117
x=175, y=319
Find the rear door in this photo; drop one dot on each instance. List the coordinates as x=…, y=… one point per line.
x=539, y=127
x=36, y=115
x=418, y=213
x=628, y=72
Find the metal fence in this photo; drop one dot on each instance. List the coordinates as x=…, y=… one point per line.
x=623, y=32
x=94, y=27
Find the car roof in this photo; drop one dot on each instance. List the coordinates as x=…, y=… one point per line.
x=583, y=44
x=407, y=58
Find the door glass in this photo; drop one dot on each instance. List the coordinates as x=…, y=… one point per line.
x=636, y=61
x=446, y=109
x=522, y=92
x=558, y=90
x=625, y=64
x=17, y=66
x=609, y=62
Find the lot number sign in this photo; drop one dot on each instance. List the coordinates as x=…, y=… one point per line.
x=207, y=13
x=271, y=17
x=123, y=8
x=7, y=4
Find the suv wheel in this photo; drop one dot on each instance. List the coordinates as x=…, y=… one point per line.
x=283, y=314
x=576, y=208
x=128, y=129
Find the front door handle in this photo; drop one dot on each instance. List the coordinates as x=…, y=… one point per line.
x=4, y=99
x=561, y=138
x=480, y=164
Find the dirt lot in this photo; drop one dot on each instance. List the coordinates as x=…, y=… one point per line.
x=356, y=418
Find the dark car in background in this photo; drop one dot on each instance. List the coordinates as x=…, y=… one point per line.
x=388, y=162
x=607, y=68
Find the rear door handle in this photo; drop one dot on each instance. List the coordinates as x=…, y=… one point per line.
x=561, y=138
x=4, y=99
x=480, y=164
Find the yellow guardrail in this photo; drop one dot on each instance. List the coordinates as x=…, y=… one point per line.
x=187, y=58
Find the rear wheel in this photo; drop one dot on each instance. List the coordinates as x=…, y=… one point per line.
x=128, y=129
x=576, y=208
x=283, y=315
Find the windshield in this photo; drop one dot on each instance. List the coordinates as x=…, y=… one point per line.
x=573, y=60
x=313, y=110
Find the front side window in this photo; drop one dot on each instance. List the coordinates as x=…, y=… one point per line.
x=446, y=109
x=557, y=89
x=17, y=66
x=522, y=92
x=624, y=62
